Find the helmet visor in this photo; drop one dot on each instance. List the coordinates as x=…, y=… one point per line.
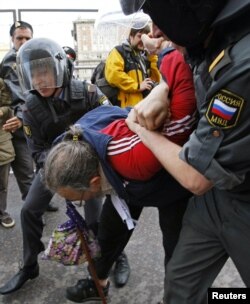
x=40, y=74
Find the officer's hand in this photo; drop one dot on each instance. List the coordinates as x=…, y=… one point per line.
x=153, y=110
x=1, y=113
x=12, y=124
x=132, y=121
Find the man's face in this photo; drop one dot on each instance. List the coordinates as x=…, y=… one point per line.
x=136, y=42
x=43, y=81
x=20, y=36
x=76, y=195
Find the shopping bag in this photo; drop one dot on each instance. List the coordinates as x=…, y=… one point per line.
x=65, y=244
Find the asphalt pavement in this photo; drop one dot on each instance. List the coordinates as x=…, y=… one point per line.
x=144, y=251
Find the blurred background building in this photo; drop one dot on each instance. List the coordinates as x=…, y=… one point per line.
x=93, y=45
x=72, y=27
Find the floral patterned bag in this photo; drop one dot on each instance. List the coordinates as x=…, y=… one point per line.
x=65, y=243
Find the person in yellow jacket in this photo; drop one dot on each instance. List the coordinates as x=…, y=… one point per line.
x=132, y=71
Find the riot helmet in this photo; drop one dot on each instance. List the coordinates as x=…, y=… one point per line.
x=186, y=22
x=42, y=64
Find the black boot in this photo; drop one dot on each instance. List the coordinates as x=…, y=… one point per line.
x=121, y=271
x=16, y=282
x=84, y=291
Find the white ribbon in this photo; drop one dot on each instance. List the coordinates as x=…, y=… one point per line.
x=123, y=210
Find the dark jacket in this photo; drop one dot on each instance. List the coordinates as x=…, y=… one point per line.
x=219, y=148
x=46, y=118
x=9, y=74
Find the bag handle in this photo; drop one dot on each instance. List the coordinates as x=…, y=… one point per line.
x=80, y=226
x=85, y=249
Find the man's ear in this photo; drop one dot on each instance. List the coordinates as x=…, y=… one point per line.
x=95, y=184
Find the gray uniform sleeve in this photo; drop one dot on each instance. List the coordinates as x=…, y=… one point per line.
x=200, y=155
x=219, y=147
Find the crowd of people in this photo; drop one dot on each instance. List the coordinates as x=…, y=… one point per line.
x=179, y=145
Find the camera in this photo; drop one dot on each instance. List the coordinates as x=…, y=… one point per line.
x=152, y=84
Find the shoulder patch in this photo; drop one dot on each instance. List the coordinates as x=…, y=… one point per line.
x=27, y=130
x=224, y=109
x=216, y=61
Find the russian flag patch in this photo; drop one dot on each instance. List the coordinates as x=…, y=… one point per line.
x=224, y=109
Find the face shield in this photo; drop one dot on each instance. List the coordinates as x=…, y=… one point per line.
x=41, y=64
x=40, y=74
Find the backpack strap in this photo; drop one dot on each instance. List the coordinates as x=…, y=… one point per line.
x=129, y=57
x=125, y=56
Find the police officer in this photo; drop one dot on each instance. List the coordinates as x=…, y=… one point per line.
x=215, y=163
x=55, y=102
x=22, y=166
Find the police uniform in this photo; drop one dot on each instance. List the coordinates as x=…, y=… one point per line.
x=44, y=120
x=23, y=164
x=216, y=224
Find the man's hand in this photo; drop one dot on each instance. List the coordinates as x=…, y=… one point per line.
x=12, y=124
x=132, y=122
x=153, y=110
x=146, y=84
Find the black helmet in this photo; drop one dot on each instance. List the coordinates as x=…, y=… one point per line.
x=70, y=53
x=42, y=63
x=186, y=22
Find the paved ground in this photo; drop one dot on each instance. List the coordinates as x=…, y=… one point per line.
x=144, y=251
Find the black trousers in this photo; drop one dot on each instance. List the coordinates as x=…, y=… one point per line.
x=23, y=164
x=35, y=205
x=165, y=194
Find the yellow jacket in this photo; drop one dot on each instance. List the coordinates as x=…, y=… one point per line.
x=128, y=82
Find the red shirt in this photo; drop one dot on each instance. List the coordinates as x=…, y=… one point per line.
x=126, y=153
x=179, y=78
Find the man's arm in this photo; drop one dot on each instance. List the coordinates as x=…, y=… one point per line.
x=167, y=153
